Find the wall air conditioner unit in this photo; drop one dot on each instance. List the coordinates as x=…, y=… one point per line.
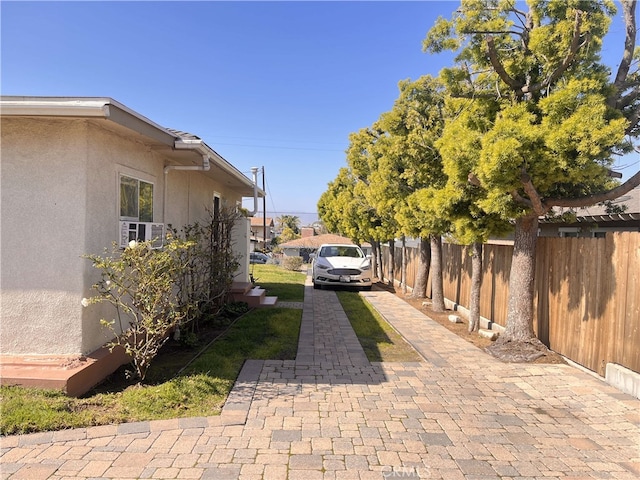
x=141, y=232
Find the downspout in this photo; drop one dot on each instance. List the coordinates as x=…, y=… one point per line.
x=254, y=171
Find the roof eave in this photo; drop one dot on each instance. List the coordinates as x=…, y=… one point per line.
x=109, y=109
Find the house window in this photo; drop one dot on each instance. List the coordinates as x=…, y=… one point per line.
x=569, y=232
x=136, y=199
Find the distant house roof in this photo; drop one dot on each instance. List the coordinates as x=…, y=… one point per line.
x=316, y=241
x=260, y=221
x=598, y=213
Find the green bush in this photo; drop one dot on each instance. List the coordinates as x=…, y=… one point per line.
x=292, y=263
x=139, y=282
x=157, y=292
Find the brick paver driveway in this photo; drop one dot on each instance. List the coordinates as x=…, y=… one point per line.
x=331, y=414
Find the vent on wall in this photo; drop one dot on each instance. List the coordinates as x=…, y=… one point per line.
x=141, y=232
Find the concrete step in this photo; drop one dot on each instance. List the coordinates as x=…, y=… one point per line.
x=254, y=296
x=241, y=287
x=269, y=302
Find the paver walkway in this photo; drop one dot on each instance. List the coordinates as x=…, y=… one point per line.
x=331, y=414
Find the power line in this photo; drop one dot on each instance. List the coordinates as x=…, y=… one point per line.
x=296, y=213
x=281, y=148
x=278, y=140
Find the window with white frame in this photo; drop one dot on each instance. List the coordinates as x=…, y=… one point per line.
x=136, y=199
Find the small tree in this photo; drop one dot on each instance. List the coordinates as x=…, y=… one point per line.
x=291, y=222
x=139, y=283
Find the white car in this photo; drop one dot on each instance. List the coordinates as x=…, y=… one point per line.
x=346, y=265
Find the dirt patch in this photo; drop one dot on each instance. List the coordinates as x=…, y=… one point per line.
x=461, y=329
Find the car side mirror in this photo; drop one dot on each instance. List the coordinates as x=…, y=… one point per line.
x=312, y=256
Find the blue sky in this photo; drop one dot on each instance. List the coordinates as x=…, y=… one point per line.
x=273, y=84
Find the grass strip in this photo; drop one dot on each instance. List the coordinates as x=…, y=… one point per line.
x=381, y=343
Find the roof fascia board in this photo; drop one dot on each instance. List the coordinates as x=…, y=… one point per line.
x=86, y=107
x=233, y=171
x=129, y=119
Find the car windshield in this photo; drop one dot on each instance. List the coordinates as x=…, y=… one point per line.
x=340, y=251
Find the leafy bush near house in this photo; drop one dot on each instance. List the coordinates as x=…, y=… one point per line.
x=139, y=283
x=157, y=292
x=292, y=263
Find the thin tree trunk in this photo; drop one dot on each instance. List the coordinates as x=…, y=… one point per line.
x=422, y=271
x=380, y=262
x=476, y=282
x=403, y=274
x=518, y=343
x=392, y=262
x=374, y=258
x=437, y=289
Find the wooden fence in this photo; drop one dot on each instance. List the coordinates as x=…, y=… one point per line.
x=587, y=293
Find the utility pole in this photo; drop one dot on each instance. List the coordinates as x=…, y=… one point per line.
x=264, y=210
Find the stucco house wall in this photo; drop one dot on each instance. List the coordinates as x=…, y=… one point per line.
x=60, y=200
x=43, y=224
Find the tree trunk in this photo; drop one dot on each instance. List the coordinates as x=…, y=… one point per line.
x=476, y=282
x=380, y=262
x=374, y=258
x=520, y=300
x=518, y=342
x=403, y=273
x=437, y=289
x=422, y=271
x=392, y=262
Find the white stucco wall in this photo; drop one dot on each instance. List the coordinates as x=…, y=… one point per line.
x=190, y=194
x=60, y=187
x=43, y=199
x=110, y=155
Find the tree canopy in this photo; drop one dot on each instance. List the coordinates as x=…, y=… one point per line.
x=527, y=118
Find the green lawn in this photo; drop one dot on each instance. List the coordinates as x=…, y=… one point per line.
x=381, y=343
x=288, y=286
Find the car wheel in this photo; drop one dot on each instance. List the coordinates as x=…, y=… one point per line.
x=316, y=286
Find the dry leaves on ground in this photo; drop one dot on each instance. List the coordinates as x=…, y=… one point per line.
x=460, y=329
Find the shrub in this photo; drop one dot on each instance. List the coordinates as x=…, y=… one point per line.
x=210, y=267
x=156, y=292
x=139, y=282
x=292, y=263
